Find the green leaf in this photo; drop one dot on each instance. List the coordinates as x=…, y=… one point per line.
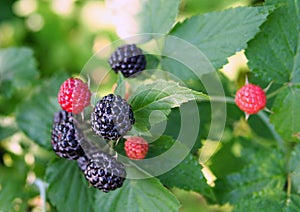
x=155, y=16
x=137, y=195
x=12, y=181
x=286, y=116
x=189, y=166
x=278, y=201
x=294, y=169
x=68, y=189
x=217, y=35
x=159, y=96
x=6, y=132
x=152, y=61
x=121, y=87
x=177, y=177
x=275, y=52
x=227, y=152
x=175, y=123
x=10, y=188
x=34, y=117
x=18, y=66
x=264, y=170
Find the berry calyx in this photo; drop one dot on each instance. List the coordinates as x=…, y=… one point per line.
x=65, y=137
x=251, y=98
x=112, y=117
x=128, y=59
x=136, y=148
x=104, y=172
x=74, y=95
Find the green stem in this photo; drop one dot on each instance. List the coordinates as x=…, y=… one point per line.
x=140, y=169
x=277, y=137
x=289, y=187
x=222, y=99
x=42, y=189
x=290, y=148
x=274, y=93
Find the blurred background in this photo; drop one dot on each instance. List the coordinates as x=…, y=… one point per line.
x=69, y=32
x=63, y=35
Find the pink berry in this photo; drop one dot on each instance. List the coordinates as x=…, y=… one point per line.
x=74, y=95
x=251, y=99
x=136, y=148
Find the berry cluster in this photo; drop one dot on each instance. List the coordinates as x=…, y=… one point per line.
x=111, y=119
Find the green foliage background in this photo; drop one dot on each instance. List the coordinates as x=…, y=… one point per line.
x=256, y=165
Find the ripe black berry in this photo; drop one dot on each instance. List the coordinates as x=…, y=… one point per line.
x=128, y=59
x=65, y=137
x=105, y=172
x=112, y=117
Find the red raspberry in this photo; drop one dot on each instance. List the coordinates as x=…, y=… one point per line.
x=74, y=95
x=136, y=148
x=251, y=98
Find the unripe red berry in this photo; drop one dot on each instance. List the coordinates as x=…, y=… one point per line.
x=251, y=98
x=74, y=95
x=136, y=148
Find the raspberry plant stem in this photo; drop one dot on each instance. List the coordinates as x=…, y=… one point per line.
x=290, y=148
x=274, y=93
x=221, y=99
x=42, y=189
x=131, y=163
x=289, y=188
x=277, y=137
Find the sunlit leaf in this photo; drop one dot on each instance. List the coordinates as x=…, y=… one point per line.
x=275, y=54
x=159, y=96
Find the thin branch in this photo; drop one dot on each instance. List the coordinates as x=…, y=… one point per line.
x=289, y=188
x=221, y=99
x=42, y=189
x=277, y=137
x=274, y=93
